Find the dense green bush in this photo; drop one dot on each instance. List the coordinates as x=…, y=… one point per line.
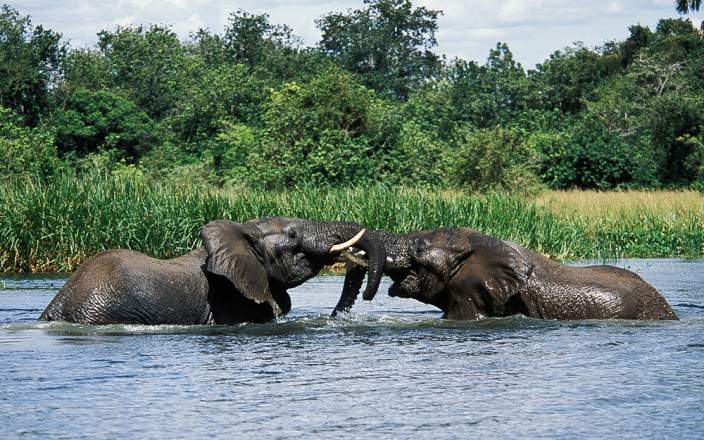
x=494, y=158
x=23, y=150
x=589, y=156
x=228, y=92
x=93, y=121
x=30, y=59
x=322, y=132
x=370, y=103
x=678, y=127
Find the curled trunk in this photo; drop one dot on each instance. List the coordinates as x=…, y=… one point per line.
x=332, y=234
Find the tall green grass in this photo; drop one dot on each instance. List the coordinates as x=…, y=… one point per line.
x=55, y=225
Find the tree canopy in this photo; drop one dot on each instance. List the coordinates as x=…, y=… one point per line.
x=370, y=102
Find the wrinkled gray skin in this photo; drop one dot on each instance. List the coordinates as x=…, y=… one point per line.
x=469, y=275
x=241, y=274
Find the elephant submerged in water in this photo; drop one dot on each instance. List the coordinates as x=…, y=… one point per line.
x=241, y=274
x=469, y=275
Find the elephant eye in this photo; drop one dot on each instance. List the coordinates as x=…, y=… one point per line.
x=292, y=233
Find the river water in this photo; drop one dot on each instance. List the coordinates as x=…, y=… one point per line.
x=392, y=368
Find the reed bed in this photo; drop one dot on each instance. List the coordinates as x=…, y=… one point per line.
x=54, y=226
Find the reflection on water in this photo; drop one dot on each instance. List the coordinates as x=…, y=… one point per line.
x=391, y=368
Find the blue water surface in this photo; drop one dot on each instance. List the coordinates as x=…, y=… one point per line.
x=390, y=369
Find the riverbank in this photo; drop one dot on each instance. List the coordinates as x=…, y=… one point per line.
x=54, y=226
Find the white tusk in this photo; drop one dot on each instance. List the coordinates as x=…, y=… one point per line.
x=356, y=259
x=348, y=243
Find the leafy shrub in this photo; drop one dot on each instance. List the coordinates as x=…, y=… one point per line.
x=678, y=130
x=325, y=131
x=91, y=121
x=589, y=156
x=233, y=154
x=418, y=158
x=25, y=150
x=227, y=92
x=493, y=158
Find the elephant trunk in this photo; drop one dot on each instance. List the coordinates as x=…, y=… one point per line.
x=336, y=237
x=377, y=258
x=386, y=251
x=389, y=251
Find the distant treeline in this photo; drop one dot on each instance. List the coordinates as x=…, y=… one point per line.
x=370, y=102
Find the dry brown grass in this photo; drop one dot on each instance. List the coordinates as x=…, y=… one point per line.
x=618, y=204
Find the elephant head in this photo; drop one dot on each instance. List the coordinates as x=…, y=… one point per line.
x=459, y=270
x=264, y=257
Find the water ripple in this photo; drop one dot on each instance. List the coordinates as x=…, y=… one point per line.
x=389, y=369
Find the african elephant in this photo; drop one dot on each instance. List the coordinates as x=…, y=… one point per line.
x=241, y=274
x=469, y=275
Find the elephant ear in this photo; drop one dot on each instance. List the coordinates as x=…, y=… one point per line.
x=492, y=270
x=231, y=255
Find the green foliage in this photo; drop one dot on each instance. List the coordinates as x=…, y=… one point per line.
x=678, y=126
x=234, y=152
x=251, y=107
x=25, y=151
x=148, y=65
x=640, y=37
x=494, y=158
x=387, y=42
x=55, y=225
x=570, y=76
x=485, y=95
x=29, y=60
x=84, y=69
x=323, y=131
x=250, y=38
x=92, y=121
x=270, y=52
x=226, y=92
x=419, y=158
x=589, y=156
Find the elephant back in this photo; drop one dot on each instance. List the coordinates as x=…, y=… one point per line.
x=128, y=287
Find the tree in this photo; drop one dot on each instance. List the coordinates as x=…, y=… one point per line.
x=227, y=92
x=685, y=6
x=25, y=150
x=494, y=158
x=148, y=65
x=29, y=62
x=330, y=130
x=84, y=69
x=640, y=37
x=570, y=76
x=91, y=121
x=270, y=52
x=481, y=95
x=248, y=37
x=388, y=43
